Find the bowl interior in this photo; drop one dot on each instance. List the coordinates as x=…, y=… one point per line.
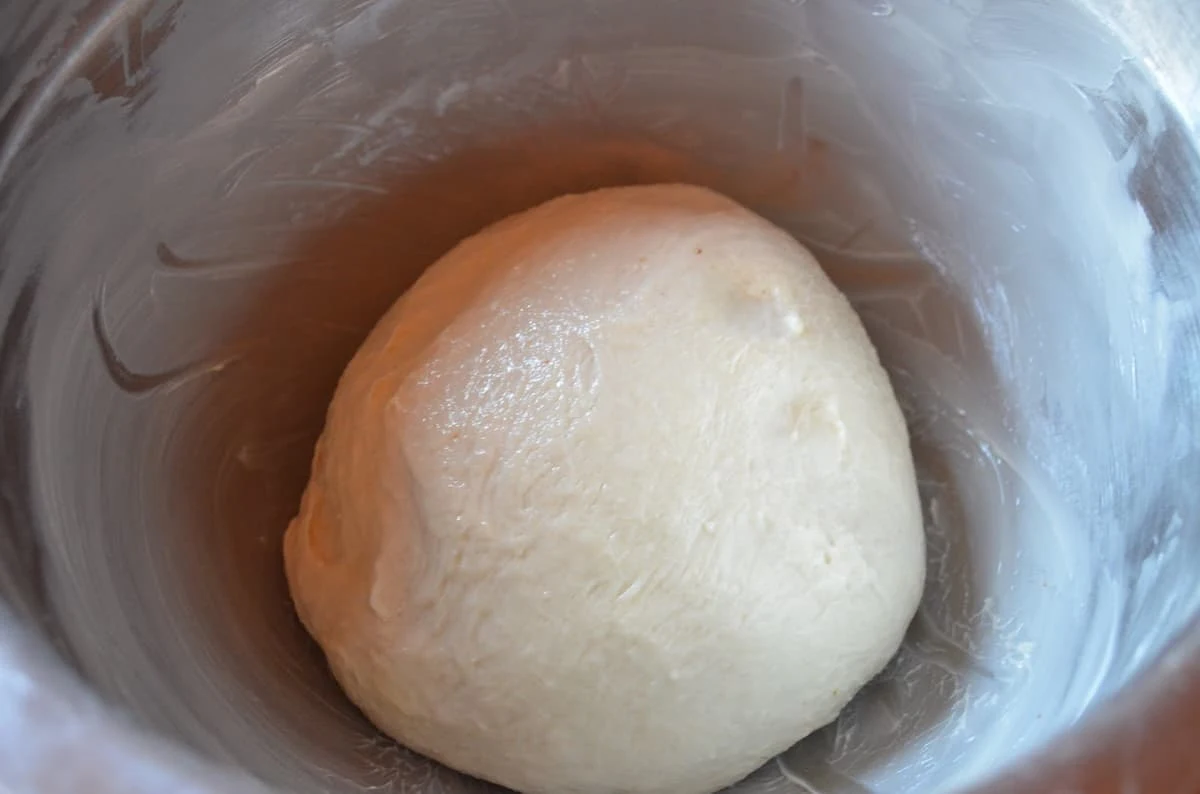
x=218, y=202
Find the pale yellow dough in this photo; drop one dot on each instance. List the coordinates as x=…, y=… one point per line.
x=617, y=498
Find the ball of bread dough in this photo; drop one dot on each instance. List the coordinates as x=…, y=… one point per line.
x=617, y=498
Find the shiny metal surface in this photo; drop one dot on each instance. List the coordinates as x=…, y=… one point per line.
x=205, y=205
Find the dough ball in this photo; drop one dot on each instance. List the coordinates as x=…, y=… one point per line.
x=617, y=498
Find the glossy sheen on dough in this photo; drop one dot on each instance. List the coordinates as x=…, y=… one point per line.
x=617, y=498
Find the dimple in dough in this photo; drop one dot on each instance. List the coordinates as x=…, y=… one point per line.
x=617, y=498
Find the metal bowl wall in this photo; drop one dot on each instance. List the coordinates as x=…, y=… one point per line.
x=204, y=206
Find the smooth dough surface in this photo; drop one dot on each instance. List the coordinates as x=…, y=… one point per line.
x=617, y=498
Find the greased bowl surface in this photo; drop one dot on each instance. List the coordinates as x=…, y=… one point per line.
x=205, y=206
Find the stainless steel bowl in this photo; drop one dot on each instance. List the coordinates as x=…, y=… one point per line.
x=204, y=205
